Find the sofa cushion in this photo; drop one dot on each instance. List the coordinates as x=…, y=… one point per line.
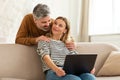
x=102, y=49
x=111, y=65
x=12, y=79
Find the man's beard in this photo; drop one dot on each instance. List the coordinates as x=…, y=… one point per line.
x=45, y=28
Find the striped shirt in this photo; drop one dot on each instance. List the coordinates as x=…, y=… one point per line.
x=56, y=49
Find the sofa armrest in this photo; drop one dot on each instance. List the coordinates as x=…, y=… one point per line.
x=20, y=61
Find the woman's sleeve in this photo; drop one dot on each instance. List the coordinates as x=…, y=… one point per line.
x=43, y=48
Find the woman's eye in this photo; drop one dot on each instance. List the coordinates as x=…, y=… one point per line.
x=55, y=23
x=60, y=25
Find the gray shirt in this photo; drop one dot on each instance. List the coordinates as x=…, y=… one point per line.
x=56, y=49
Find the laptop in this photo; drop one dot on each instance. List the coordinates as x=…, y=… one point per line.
x=79, y=63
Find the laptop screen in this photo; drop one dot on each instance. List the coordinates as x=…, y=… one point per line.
x=79, y=63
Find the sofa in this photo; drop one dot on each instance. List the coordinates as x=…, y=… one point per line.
x=20, y=62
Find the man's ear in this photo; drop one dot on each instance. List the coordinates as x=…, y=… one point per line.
x=35, y=20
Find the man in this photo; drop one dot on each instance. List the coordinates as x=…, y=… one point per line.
x=35, y=26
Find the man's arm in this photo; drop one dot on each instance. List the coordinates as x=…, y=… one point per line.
x=22, y=36
x=70, y=44
x=26, y=41
x=28, y=33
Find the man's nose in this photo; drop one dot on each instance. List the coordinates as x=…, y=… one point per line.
x=48, y=23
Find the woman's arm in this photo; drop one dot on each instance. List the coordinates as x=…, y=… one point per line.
x=59, y=71
x=44, y=51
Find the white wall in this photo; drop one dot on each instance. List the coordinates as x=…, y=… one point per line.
x=108, y=38
x=13, y=11
x=11, y=14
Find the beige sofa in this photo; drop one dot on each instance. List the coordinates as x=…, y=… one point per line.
x=19, y=62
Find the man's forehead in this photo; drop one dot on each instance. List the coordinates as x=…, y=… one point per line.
x=45, y=18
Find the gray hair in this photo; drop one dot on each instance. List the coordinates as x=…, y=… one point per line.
x=41, y=10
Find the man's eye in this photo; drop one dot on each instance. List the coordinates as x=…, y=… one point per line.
x=49, y=21
x=43, y=22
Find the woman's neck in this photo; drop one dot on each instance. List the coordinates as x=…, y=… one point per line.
x=56, y=37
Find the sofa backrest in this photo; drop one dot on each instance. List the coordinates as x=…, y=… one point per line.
x=19, y=61
x=102, y=49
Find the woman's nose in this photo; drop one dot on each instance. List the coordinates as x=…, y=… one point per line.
x=56, y=25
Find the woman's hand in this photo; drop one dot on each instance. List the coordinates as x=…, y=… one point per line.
x=92, y=71
x=60, y=72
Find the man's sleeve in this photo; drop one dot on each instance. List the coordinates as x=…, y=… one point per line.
x=23, y=32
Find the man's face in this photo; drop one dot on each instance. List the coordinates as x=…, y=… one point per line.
x=43, y=23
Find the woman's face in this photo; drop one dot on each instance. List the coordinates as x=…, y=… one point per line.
x=59, y=27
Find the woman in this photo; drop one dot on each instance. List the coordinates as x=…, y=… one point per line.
x=53, y=53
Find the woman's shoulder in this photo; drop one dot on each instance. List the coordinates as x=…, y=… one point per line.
x=51, y=42
x=43, y=43
x=57, y=41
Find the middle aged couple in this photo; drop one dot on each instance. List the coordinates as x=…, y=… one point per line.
x=53, y=40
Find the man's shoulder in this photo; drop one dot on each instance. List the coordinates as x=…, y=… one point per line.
x=29, y=15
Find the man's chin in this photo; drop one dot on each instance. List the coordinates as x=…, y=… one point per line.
x=46, y=29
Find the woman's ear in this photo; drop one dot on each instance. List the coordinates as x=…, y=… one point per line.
x=65, y=31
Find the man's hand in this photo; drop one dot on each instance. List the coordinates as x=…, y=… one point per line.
x=44, y=38
x=70, y=45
